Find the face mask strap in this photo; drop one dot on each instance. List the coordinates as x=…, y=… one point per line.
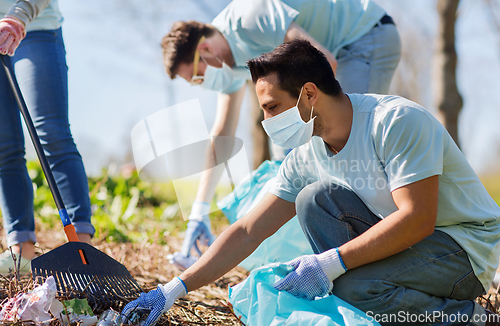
x=297, y=105
x=216, y=58
x=196, y=60
x=298, y=100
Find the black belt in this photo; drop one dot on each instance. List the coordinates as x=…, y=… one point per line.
x=386, y=20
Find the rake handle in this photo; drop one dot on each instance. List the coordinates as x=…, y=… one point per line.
x=69, y=229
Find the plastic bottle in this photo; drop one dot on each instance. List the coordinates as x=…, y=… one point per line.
x=110, y=318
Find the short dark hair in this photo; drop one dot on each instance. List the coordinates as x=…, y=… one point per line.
x=180, y=43
x=296, y=63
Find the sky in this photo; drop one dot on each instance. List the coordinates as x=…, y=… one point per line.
x=117, y=79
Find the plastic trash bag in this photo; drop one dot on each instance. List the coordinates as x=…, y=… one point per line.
x=34, y=305
x=260, y=304
x=288, y=242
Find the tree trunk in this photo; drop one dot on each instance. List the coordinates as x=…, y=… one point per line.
x=447, y=98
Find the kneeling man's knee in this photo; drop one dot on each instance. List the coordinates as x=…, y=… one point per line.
x=307, y=199
x=365, y=294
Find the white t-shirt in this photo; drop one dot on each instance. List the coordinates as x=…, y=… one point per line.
x=254, y=27
x=395, y=142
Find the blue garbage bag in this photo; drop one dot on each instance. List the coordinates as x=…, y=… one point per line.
x=288, y=242
x=260, y=304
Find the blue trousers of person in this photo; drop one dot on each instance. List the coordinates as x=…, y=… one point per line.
x=368, y=64
x=429, y=283
x=41, y=70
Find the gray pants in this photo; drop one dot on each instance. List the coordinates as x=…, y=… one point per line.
x=431, y=282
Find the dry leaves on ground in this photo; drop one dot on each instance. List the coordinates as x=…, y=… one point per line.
x=148, y=264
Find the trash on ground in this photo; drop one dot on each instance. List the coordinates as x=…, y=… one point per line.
x=110, y=318
x=34, y=305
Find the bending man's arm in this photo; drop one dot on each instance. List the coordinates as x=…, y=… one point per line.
x=226, y=121
x=414, y=220
x=239, y=241
x=296, y=32
x=199, y=226
x=230, y=248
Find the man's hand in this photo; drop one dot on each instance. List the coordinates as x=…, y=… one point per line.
x=156, y=301
x=12, y=32
x=198, y=230
x=313, y=275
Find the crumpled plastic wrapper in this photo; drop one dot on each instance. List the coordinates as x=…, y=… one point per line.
x=34, y=305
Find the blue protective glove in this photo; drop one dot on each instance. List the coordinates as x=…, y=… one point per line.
x=313, y=275
x=157, y=301
x=198, y=229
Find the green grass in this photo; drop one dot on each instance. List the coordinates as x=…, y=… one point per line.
x=126, y=209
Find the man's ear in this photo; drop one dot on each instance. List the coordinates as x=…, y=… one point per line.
x=310, y=93
x=206, y=49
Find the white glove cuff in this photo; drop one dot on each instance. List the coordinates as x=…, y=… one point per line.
x=331, y=263
x=199, y=210
x=172, y=291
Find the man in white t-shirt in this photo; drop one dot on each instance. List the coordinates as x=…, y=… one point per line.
x=359, y=39
x=401, y=226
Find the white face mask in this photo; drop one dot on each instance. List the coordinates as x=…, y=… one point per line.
x=217, y=79
x=287, y=129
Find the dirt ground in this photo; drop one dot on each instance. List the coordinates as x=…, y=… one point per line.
x=148, y=265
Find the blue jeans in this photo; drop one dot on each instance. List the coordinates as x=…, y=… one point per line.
x=432, y=276
x=368, y=64
x=40, y=68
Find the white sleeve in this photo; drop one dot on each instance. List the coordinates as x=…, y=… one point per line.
x=289, y=181
x=27, y=10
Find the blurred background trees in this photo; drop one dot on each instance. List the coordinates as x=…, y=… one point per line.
x=117, y=79
x=427, y=73
x=447, y=98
